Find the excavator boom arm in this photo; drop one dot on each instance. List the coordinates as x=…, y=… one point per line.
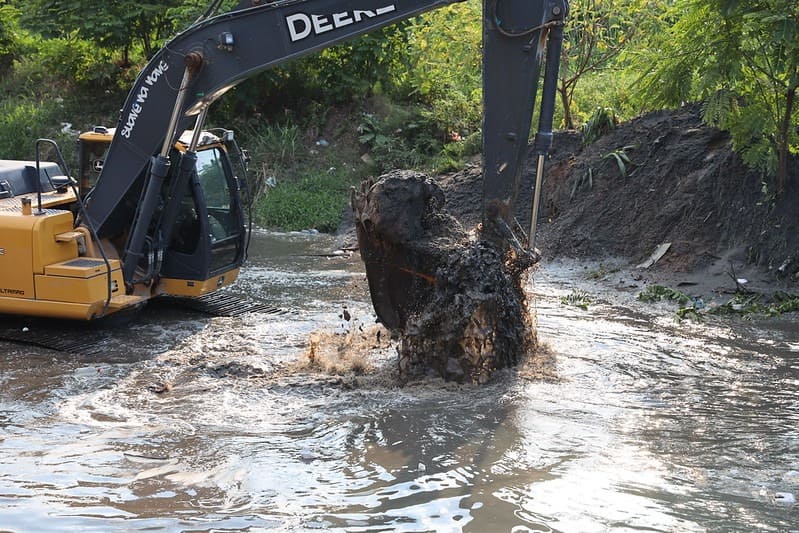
x=516, y=38
x=200, y=64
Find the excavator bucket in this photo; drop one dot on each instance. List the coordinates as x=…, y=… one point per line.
x=454, y=300
x=403, y=238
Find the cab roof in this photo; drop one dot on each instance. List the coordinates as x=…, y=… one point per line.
x=100, y=133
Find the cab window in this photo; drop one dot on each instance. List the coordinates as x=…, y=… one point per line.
x=211, y=174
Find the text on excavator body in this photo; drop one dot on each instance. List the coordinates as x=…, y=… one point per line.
x=141, y=97
x=302, y=25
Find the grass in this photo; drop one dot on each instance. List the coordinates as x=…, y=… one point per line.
x=316, y=201
x=602, y=121
x=577, y=298
x=301, y=180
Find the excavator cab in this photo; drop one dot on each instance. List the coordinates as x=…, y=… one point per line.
x=209, y=236
x=207, y=219
x=93, y=147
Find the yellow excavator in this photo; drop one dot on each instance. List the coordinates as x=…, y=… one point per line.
x=159, y=206
x=55, y=264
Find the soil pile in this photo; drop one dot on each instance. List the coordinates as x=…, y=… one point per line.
x=454, y=300
x=680, y=183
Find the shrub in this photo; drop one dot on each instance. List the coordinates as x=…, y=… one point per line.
x=24, y=121
x=313, y=201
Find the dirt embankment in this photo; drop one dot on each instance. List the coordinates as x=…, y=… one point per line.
x=683, y=185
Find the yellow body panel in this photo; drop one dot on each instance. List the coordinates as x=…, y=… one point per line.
x=69, y=310
x=184, y=287
x=79, y=281
x=28, y=243
x=46, y=250
x=81, y=268
x=50, y=200
x=42, y=275
x=74, y=290
x=16, y=260
x=50, y=309
x=94, y=136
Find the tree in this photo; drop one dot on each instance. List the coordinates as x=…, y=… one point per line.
x=597, y=31
x=444, y=65
x=8, y=27
x=116, y=25
x=741, y=58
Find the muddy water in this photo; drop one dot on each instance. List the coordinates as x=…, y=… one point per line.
x=644, y=423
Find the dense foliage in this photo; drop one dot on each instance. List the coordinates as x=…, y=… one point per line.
x=7, y=38
x=741, y=58
x=410, y=95
x=117, y=26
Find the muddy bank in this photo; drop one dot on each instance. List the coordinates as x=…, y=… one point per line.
x=681, y=191
x=683, y=185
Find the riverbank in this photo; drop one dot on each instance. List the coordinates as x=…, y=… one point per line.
x=660, y=200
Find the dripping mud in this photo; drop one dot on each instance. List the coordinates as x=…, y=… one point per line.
x=454, y=299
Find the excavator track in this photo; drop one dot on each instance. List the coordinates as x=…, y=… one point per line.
x=218, y=304
x=80, y=340
x=93, y=339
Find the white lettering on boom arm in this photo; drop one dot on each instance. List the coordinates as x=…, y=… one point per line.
x=141, y=97
x=301, y=25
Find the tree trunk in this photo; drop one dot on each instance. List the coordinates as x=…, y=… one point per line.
x=125, y=57
x=784, y=141
x=148, y=48
x=567, y=111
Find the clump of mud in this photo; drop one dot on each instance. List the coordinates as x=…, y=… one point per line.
x=344, y=352
x=454, y=300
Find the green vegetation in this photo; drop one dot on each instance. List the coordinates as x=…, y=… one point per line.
x=597, y=33
x=745, y=304
x=410, y=95
x=314, y=201
x=621, y=158
x=752, y=304
x=602, y=120
x=689, y=308
x=118, y=26
x=657, y=293
x=739, y=57
x=49, y=86
x=301, y=183
x=577, y=298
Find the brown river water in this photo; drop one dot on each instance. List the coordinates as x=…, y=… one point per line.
x=189, y=423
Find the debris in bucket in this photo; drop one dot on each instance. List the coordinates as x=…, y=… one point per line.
x=455, y=300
